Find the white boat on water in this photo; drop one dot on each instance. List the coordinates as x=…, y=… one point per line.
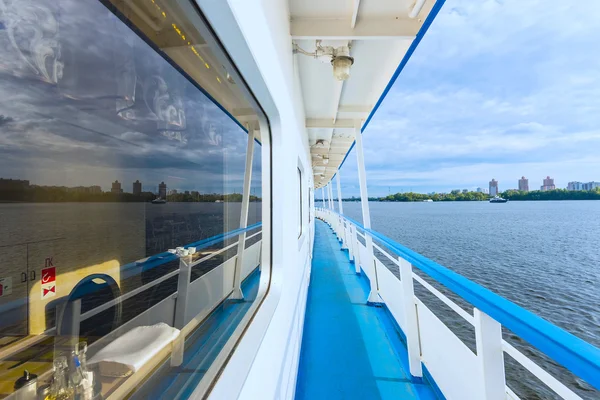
x=272, y=297
x=498, y=199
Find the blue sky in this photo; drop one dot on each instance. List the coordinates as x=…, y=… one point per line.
x=496, y=89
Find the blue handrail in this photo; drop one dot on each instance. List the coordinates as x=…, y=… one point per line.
x=573, y=353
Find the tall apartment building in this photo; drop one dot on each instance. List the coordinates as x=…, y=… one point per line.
x=137, y=188
x=548, y=184
x=493, y=187
x=116, y=187
x=524, y=184
x=162, y=190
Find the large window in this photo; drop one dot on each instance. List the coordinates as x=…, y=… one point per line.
x=122, y=156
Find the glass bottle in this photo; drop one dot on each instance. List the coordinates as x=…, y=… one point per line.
x=60, y=389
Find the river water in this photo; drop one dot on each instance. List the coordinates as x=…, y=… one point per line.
x=544, y=256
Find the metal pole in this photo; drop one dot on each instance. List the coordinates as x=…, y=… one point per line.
x=332, y=205
x=341, y=209
x=339, y=192
x=239, y=262
x=364, y=202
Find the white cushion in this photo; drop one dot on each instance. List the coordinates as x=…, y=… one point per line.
x=129, y=352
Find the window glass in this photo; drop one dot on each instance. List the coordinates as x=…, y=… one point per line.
x=123, y=136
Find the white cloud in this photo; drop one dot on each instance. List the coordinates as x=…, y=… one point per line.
x=496, y=89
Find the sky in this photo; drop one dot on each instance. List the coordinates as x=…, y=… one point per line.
x=84, y=101
x=496, y=89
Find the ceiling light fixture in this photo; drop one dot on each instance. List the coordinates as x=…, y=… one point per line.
x=341, y=62
x=339, y=57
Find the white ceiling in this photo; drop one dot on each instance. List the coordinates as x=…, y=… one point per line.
x=379, y=33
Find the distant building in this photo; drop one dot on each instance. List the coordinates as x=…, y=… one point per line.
x=493, y=187
x=548, y=184
x=137, y=188
x=465, y=190
x=162, y=190
x=591, y=185
x=173, y=191
x=479, y=190
x=524, y=184
x=13, y=184
x=187, y=192
x=195, y=194
x=573, y=186
x=116, y=187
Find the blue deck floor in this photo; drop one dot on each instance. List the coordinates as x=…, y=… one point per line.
x=349, y=350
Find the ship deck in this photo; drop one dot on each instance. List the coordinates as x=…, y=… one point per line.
x=350, y=350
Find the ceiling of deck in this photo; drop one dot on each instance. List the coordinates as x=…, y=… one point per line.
x=379, y=33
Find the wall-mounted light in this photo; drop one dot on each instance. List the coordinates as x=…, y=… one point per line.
x=342, y=62
x=339, y=57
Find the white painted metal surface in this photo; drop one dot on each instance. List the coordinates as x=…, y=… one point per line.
x=379, y=34
x=368, y=260
x=411, y=322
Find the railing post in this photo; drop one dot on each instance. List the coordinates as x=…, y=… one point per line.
x=364, y=201
x=348, y=235
x=411, y=322
x=356, y=247
x=183, y=286
x=330, y=188
x=342, y=233
x=239, y=261
x=488, y=335
x=67, y=325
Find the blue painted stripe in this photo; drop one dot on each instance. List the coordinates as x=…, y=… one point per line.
x=434, y=12
x=427, y=377
x=573, y=353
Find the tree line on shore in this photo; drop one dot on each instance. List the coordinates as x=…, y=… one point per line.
x=514, y=195
x=52, y=194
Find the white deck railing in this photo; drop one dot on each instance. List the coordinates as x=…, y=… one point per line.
x=459, y=372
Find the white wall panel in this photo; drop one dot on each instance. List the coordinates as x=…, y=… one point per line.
x=452, y=364
x=251, y=259
x=390, y=290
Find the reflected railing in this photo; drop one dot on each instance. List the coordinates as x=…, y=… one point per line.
x=434, y=350
x=195, y=297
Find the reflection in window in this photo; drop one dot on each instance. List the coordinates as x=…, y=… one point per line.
x=111, y=154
